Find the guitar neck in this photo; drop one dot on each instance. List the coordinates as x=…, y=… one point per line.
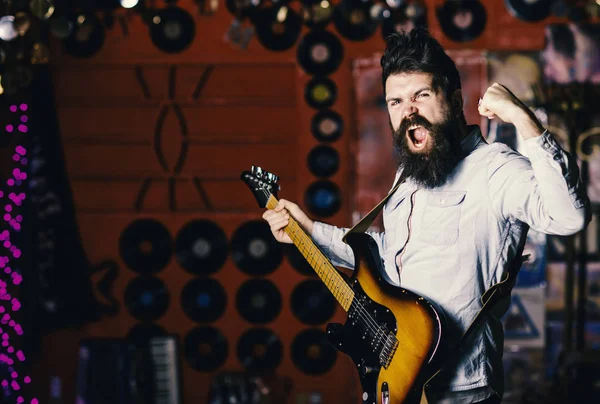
x=315, y=257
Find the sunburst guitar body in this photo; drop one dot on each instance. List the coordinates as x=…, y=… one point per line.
x=393, y=335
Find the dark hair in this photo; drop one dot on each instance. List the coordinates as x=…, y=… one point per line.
x=418, y=52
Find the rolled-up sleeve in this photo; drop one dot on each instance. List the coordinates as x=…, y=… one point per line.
x=543, y=189
x=329, y=240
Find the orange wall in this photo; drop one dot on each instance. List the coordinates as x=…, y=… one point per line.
x=107, y=130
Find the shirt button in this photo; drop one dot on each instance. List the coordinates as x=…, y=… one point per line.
x=443, y=201
x=546, y=145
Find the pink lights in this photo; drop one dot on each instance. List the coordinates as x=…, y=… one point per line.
x=12, y=199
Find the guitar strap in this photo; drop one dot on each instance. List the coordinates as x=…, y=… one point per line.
x=489, y=299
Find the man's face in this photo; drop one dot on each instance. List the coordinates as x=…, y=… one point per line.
x=409, y=95
x=425, y=130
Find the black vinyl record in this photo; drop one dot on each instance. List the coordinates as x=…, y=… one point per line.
x=259, y=349
x=323, y=161
x=274, y=34
x=312, y=353
x=203, y=300
x=146, y=246
x=172, y=29
x=146, y=298
x=352, y=19
x=397, y=20
x=327, y=126
x=323, y=198
x=320, y=52
x=258, y=301
x=254, y=249
x=241, y=8
x=86, y=37
x=462, y=21
x=529, y=10
x=201, y=247
x=320, y=92
x=141, y=334
x=317, y=14
x=312, y=303
x=205, y=349
x=297, y=260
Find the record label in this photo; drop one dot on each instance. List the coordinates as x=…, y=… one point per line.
x=259, y=349
x=312, y=303
x=205, y=349
x=312, y=353
x=320, y=52
x=320, y=92
x=146, y=246
x=327, y=126
x=146, y=298
x=323, y=161
x=323, y=198
x=254, y=249
x=201, y=247
x=258, y=301
x=203, y=300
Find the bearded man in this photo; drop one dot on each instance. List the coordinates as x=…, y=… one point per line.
x=459, y=220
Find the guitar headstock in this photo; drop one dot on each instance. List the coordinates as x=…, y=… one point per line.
x=262, y=183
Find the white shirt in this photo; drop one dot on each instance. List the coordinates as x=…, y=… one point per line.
x=451, y=243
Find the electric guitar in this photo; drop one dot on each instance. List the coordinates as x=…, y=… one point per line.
x=393, y=335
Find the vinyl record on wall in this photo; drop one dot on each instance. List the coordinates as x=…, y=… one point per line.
x=320, y=92
x=201, y=247
x=399, y=19
x=203, y=300
x=317, y=14
x=323, y=198
x=352, y=19
x=312, y=303
x=327, y=126
x=277, y=28
x=205, y=349
x=259, y=349
x=146, y=298
x=323, y=161
x=312, y=353
x=254, y=249
x=172, y=29
x=146, y=246
x=320, y=52
x=141, y=334
x=297, y=260
x=529, y=10
x=258, y=301
x=241, y=8
x=86, y=37
x=462, y=21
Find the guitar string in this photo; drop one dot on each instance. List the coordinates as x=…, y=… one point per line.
x=374, y=327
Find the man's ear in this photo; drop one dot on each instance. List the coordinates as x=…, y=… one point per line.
x=456, y=103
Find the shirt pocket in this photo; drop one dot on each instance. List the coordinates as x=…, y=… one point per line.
x=441, y=217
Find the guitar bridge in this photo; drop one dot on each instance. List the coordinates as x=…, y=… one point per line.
x=388, y=350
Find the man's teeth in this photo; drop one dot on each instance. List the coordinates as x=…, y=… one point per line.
x=414, y=127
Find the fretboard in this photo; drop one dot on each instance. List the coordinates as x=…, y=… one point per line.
x=320, y=263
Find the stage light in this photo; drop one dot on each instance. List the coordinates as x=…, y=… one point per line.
x=7, y=28
x=129, y=3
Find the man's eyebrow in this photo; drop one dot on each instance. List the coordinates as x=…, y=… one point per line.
x=428, y=88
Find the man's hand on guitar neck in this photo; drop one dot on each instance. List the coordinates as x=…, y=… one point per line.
x=279, y=217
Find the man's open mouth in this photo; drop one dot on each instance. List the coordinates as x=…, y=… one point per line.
x=418, y=136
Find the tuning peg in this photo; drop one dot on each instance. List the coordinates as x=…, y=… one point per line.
x=273, y=178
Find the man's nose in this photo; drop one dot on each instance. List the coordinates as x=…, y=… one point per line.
x=408, y=110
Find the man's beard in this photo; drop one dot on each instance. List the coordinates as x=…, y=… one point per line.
x=431, y=167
